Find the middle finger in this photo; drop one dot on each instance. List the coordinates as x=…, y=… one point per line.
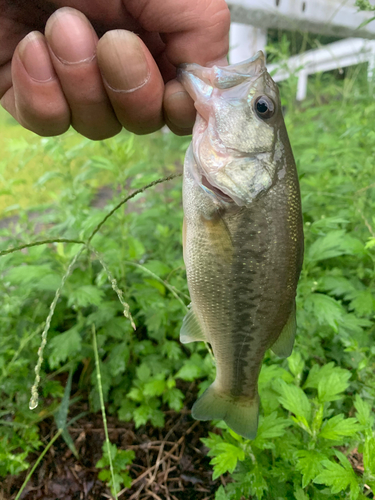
x=72, y=43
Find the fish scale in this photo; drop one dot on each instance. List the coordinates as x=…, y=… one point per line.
x=243, y=239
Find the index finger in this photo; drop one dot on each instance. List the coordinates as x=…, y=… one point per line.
x=193, y=31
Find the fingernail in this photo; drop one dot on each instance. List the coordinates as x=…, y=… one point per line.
x=70, y=36
x=33, y=52
x=122, y=61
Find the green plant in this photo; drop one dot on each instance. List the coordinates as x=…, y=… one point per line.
x=364, y=5
x=120, y=459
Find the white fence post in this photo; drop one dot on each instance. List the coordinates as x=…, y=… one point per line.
x=371, y=65
x=245, y=41
x=302, y=85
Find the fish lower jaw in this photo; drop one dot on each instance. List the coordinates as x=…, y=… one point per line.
x=216, y=191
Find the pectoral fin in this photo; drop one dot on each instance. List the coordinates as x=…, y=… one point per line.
x=220, y=238
x=191, y=330
x=284, y=344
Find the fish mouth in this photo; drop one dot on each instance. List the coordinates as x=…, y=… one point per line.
x=206, y=185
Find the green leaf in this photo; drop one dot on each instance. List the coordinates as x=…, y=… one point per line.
x=12, y=463
x=104, y=475
x=32, y=275
x=136, y=248
x=296, y=363
x=157, y=418
x=338, y=286
x=220, y=494
x=155, y=284
x=171, y=349
x=330, y=387
x=294, y=400
x=299, y=494
x=105, y=313
x=363, y=304
x=339, y=476
x=175, y=399
x=135, y=394
x=328, y=374
x=120, y=460
x=70, y=443
x=192, y=369
x=154, y=387
x=211, y=442
x=227, y=456
x=333, y=244
x=329, y=223
x=118, y=358
x=325, y=309
x=102, y=163
x=126, y=410
x=370, y=243
x=364, y=413
x=337, y=427
x=270, y=372
x=63, y=346
x=157, y=267
x=47, y=176
x=141, y=415
x=62, y=411
x=258, y=482
x=85, y=296
x=270, y=427
x=309, y=464
x=143, y=372
x=189, y=372
x=123, y=458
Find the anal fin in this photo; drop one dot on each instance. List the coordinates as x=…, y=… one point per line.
x=191, y=330
x=283, y=346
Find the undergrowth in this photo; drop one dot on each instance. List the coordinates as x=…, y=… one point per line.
x=317, y=406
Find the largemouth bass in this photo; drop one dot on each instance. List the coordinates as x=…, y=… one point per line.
x=243, y=237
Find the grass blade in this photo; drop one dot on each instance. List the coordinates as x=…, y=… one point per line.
x=100, y=389
x=40, y=458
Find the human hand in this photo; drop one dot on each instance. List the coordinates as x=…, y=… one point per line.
x=69, y=76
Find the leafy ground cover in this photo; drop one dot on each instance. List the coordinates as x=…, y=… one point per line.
x=316, y=436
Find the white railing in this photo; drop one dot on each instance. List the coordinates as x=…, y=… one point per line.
x=336, y=55
x=339, y=18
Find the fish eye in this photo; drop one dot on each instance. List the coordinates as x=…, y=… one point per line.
x=264, y=107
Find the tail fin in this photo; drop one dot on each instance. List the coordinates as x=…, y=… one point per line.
x=240, y=415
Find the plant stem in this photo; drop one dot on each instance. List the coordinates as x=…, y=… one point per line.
x=122, y=202
x=100, y=389
x=42, y=242
x=171, y=288
x=28, y=477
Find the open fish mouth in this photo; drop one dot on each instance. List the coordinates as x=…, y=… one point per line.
x=216, y=191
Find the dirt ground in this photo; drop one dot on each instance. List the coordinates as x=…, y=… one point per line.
x=170, y=464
